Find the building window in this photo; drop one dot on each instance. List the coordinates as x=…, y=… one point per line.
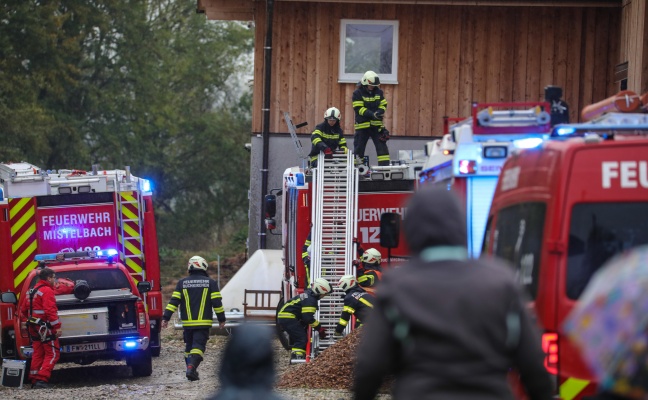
x=368, y=46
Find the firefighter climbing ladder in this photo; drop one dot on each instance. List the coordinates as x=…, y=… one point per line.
x=334, y=219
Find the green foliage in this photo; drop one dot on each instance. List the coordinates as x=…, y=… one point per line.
x=139, y=83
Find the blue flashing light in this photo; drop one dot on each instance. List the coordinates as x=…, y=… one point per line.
x=106, y=253
x=45, y=257
x=563, y=131
x=146, y=185
x=528, y=143
x=130, y=344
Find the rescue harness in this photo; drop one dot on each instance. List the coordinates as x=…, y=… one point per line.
x=43, y=328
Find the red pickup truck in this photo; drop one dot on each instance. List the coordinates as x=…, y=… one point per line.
x=108, y=321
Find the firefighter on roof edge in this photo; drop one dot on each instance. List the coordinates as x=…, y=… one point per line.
x=369, y=105
x=369, y=271
x=300, y=311
x=356, y=302
x=327, y=136
x=194, y=295
x=44, y=327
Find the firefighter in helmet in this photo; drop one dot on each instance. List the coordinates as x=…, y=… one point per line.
x=369, y=271
x=356, y=302
x=327, y=136
x=300, y=311
x=198, y=298
x=369, y=105
x=306, y=256
x=44, y=328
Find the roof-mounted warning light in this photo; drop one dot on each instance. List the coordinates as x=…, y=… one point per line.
x=77, y=255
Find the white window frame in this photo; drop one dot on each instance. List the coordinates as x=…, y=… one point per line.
x=354, y=77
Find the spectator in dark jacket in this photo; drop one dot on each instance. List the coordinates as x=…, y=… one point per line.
x=447, y=326
x=247, y=370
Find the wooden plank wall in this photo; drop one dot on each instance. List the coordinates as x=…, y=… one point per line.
x=634, y=43
x=449, y=56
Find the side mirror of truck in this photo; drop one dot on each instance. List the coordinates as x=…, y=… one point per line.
x=144, y=286
x=390, y=230
x=270, y=205
x=8, y=297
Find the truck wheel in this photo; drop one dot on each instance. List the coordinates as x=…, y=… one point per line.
x=142, y=363
x=281, y=334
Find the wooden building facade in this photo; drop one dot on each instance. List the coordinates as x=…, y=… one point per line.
x=450, y=53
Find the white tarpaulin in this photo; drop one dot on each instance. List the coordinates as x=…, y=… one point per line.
x=263, y=271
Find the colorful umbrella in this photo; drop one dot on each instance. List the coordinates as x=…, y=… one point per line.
x=610, y=324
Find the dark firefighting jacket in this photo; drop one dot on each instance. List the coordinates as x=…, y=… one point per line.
x=356, y=302
x=364, y=104
x=43, y=312
x=301, y=308
x=325, y=136
x=199, y=298
x=368, y=278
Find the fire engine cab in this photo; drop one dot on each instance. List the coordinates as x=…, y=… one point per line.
x=70, y=211
x=469, y=157
x=560, y=211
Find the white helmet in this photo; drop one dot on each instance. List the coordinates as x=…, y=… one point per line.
x=197, y=263
x=347, y=282
x=332, y=113
x=371, y=256
x=370, y=78
x=321, y=287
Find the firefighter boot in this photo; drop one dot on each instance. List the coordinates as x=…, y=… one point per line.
x=297, y=357
x=192, y=367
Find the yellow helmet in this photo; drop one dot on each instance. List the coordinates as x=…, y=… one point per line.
x=370, y=78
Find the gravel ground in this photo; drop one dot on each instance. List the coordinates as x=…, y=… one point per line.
x=112, y=380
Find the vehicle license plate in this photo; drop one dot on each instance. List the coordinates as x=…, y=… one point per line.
x=75, y=348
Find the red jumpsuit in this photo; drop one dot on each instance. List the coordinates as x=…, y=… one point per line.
x=46, y=353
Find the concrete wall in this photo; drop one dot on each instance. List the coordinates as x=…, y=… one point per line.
x=283, y=155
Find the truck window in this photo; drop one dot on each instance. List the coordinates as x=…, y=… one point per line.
x=518, y=239
x=97, y=279
x=597, y=232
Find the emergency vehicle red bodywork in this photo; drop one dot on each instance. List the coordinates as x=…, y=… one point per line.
x=78, y=222
x=558, y=213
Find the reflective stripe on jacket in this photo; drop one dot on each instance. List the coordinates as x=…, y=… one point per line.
x=198, y=298
x=302, y=308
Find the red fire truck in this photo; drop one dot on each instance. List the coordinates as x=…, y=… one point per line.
x=68, y=211
x=469, y=157
x=560, y=211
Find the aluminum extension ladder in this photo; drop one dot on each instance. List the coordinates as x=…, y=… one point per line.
x=334, y=216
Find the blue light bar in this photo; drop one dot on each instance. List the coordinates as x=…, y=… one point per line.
x=146, y=185
x=567, y=130
x=528, y=143
x=106, y=253
x=46, y=257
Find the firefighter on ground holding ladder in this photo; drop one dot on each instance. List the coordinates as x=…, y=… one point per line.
x=44, y=328
x=194, y=295
x=356, y=302
x=368, y=269
x=369, y=105
x=300, y=311
x=327, y=136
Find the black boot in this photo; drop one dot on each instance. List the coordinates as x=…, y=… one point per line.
x=192, y=367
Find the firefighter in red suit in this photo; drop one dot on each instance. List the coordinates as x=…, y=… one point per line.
x=44, y=328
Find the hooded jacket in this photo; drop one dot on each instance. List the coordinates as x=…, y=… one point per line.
x=448, y=327
x=247, y=370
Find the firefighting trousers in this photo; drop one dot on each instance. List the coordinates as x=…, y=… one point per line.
x=360, y=140
x=45, y=356
x=195, y=341
x=296, y=332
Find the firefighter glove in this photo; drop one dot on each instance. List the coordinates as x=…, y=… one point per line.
x=328, y=153
x=384, y=135
x=378, y=114
x=322, y=332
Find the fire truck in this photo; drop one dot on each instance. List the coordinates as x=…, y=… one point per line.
x=469, y=157
x=560, y=211
x=341, y=206
x=70, y=211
